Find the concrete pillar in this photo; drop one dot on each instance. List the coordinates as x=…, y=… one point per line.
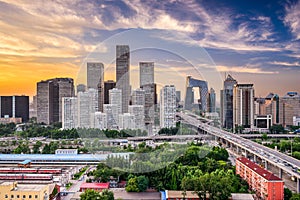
x=231, y=145
x=246, y=154
x=266, y=165
x=280, y=173
x=254, y=158
x=298, y=185
x=226, y=142
x=237, y=149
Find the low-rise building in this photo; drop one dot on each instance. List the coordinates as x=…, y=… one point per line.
x=94, y=186
x=265, y=184
x=66, y=151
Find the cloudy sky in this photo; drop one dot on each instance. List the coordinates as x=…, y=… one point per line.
x=255, y=41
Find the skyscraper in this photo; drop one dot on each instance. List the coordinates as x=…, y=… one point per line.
x=99, y=120
x=289, y=107
x=212, y=101
x=80, y=88
x=126, y=121
x=14, y=107
x=168, y=106
x=112, y=115
x=146, y=73
x=243, y=105
x=95, y=80
x=49, y=98
x=122, y=74
x=138, y=112
x=138, y=97
x=69, y=112
x=108, y=85
x=227, y=102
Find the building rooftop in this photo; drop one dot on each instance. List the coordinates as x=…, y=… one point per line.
x=23, y=187
x=25, y=162
x=237, y=196
x=94, y=185
x=259, y=170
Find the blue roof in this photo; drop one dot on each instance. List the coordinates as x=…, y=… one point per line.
x=25, y=162
x=57, y=157
x=163, y=195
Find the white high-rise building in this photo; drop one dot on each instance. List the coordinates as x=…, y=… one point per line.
x=112, y=115
x=138, y=112
x=99, y=120
x=168, y=106
x=138, y=97
x=87, y=105
x=115, y=97
x=146, y=73
x=126, y=121
x=69, y=112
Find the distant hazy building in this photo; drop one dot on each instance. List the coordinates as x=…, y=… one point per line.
x=49, y=98
x=33, y=108
x=178, y=96
x=112, y=115
x=138, y=97
x=243, y=105
x=80, y=88
x=289, y=106
x=126, y=121
x=150, y=104
x=95, y=80
x=146, y=73
x=87, y=105
x=296, y=121
x=212, y=101
x=108, y=85
x=99, y=120
x=227, y=102
x=168, y=106
x=138, y=112
x=69, y=112
x=14, y=107
x=115, y=97
x=122, y=74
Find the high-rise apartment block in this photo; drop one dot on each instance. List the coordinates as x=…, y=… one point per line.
x=243, y=105
x=138, y=112
x=95, y=80
x=212, y=101
x=99, y=120
x=122, y=74
x=49, y=98
x=87, y=106
x=289, y=107
x=112, y=115
x=227, y=102
x=14, y=107
x=168, y=106
x=69, y=112
x=108, y=85
x=115, y=97
x=126, y=121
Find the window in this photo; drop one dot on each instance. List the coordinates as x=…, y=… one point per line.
x=12, y=196
x=36, y=196
x=30, y=196
x=18, y=196
x=6, y=196
x=24, y=196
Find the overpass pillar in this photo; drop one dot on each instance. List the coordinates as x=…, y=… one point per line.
x=226, y=142
x=246, y=154
x=266, y=165
x=298, y=185
x=254, y=158
x=280, y=173
x=237, y=149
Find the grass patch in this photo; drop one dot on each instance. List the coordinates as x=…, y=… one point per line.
x=79, y=174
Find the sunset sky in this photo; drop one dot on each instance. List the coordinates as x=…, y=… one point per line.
x=256, y=41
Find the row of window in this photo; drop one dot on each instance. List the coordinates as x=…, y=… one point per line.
x=24, y=196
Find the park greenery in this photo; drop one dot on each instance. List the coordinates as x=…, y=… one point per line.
x=174, y=167
x=92, y=195
x=79, y=174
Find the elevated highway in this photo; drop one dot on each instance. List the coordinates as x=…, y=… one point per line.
x=283, y=162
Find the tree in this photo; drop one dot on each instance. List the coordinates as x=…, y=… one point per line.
x=107, y=195
x=295, y=197
x=137, y=184
x=90, y=195
x=287, y=194
x=264, y=136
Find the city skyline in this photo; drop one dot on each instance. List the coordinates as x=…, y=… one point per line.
x=256, y=43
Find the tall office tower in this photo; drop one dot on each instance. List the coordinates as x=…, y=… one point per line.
x=150, y=104
x=138, y=112
x=115, y=97
x=168, y=106
x=212, y=101
x=87, y=105
x=122, y=74
x=259, y=106
x=95, y=79
x=49, y=98
x=178, y=96
x=243, y=105
x=14, y=107
x=272, y=107
x=108, y=85
x=289, y=107
x=112, y=115
x=146, y=73
x=227, y=102
x=99, y=120
x=32, y=108
x=138, y=97
x=126, y=121
x=80, y=88
x=69, y=112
